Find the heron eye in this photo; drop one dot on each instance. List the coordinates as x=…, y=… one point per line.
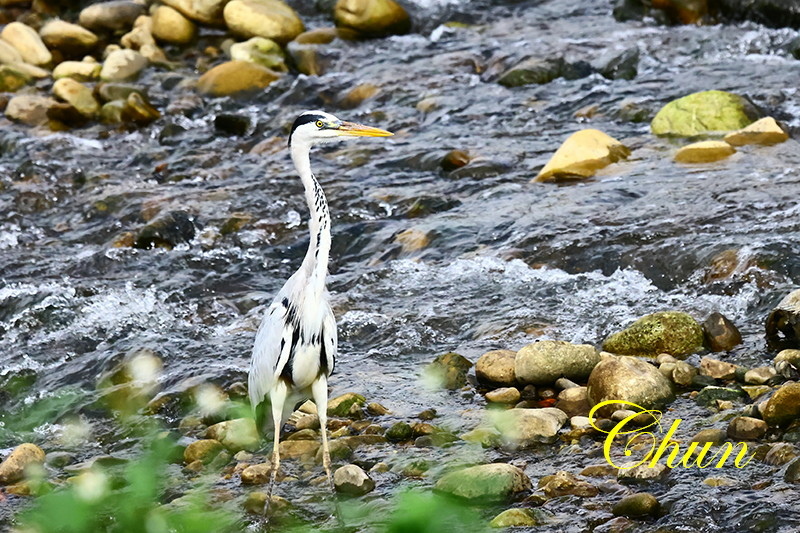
x=320, y=124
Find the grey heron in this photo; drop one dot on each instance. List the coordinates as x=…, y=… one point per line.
x=296, y=343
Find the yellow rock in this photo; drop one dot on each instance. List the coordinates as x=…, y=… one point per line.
x=704, y=152
x=764, y=131
x=412, y=239
x=235, y=77
x=582, y=154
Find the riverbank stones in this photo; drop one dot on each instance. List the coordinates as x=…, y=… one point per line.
x=68, y=38
x=523, y=428
x=628, y=379
x=27, y=42
x=496, y=367
x=114, y=16
x=672, y=332
x=21, y=459
x=784, y=406
x=237, y=434
x=704, y=112
x=721, y=334
x=171, y=26
x=543, y=362
x=490, y=482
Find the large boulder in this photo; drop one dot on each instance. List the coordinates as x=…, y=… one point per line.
x=671, y=332
x=526, y=427
x=490, y=482
x=272, y=19
x=543, y=362
x=702, y=113
x=235, y=77
x=27, y=42
x=582, y=155
x=67, y=38
x=372, y=18
x=628, y=379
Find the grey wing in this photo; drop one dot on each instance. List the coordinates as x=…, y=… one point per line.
x=270, y=344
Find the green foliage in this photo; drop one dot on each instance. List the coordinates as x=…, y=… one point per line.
x=17, y=422
x=89, y=505
x=418, y=512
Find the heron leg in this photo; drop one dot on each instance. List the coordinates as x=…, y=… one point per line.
x=278, y=398
x=319, y=389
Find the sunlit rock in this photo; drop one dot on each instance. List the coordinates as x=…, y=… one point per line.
x=564, y=483
x=171, y=26
x=77, y=95
x=412, y=239
x=122, y=65
x=516, y=517
x=8, y=54
x=351, y=479
x=784, y=406
x=490, y=482
x=672, y=332
x=582, y=155
x=496, y=367
x=765, y=131
x=704, y=152
x=704, y=112
x=235, y=77
x=543, y=362
x=204, y=450
x=27, y=42
x=628, y=379
x=261, y=51
x=78, y=70
x=21, y=459
x=237, y=434
x=67, y=38
x=507, y=395
x=372, y=18
x=637, y=505
x=29, y=109
x=272, y=19
x=523, y=428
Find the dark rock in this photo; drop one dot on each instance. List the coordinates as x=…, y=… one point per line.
x=532, y=71
x=232, y=124
x=721, y=334
x=772, y=13
x=449, y=370
x=783, y=323
x=577, y=70
x=746, y=428
x=167, y=231
x=399, y=432
x=636, y=505
x=709, y=395
x=622, y=66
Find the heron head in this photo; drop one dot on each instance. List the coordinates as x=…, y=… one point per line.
x=315, y=127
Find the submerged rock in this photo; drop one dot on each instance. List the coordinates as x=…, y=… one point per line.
x=372, y=18
x=582, y=155
x=543, y=362
x=399, y=432
x=783, y=323
x=765, y=131
x=622, y=66
x=704, y=152
x=448, y=371
x=21, y=458
x=671, y=332
x=272, y=19
x=720, y=333
x=166, y=231
x=637, y=505
x=532, y=71
x=525, y=427
x=351, y=479
x=27, y=42
x=496, y=367
x=628, y=379
x=490, y=482
x=704, y=112
x=235, y=77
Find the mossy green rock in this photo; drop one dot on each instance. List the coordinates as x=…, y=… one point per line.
x=637, y=505
x=514, y=518
x=671, y=332
x=709, y=395
x=704, y=112
x=399, y=432
x=448, y=371
x=342, y=405
x=490, y=482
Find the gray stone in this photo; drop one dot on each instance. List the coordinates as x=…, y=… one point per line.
x=351, y=479
x=628, y=379
x=526, y=427
x=496, y=367
x=117, y=15
x=543, y=362
x=490, y=482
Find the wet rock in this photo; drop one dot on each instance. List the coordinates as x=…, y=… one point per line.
x=272, y=19
x=372, y=18
x=12, y=78
x=581, y=155
x=202, y=450
x=235, y=77
x=118, y=91
x=683, y=374
x=141, y=38
x=643, y=472
x=454, y=159
x=780, y=453
x=711, y=395
x=671, y=332
x=166, y=231
x=77, y=95
x=399, y=432
x=448, y=371
x=628, y=379
x=704, y=112
x=784, y=406
x=376, y=409
x=255, y=504
x=77, y=70
x=325, y=35
x=543, y=362
x=170, y=26
x=237, y=434
x=27, y=42
x=525, y=427
x=622, y=66
x=351, y=479
x=715, y=436
x=636, y=505
x=514, y=518
x=765, y=131
x=308, y=58
x=204, y=11
x=114, y=16
x=490, y=482
x=342, y=406
x=760, y=375
x=717, y=369
x=574, y=401
x=787, y=362
x=352, y=98
x=21, y=458
x=298, y=449
x=509, y=395
x=256, y=474
x=9, y=54
x=261, y=51
x=704, y=152
x=721, y=334
x=111, y=113
x=68, y=38
x=122, y=65
x=783, y=323
x=59, y=459
x=130, y=384
x=746, y=428
x=563, y=483
x=138, y=110
x=772, y=13
x=412, y=240
x=29, y=109
x=486, y=437
x=532, y=71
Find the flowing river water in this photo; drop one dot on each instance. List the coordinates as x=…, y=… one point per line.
x=508, y=262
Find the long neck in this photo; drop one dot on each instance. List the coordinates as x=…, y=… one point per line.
x=319, y=224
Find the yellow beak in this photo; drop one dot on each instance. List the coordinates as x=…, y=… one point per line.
x=359, y=130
